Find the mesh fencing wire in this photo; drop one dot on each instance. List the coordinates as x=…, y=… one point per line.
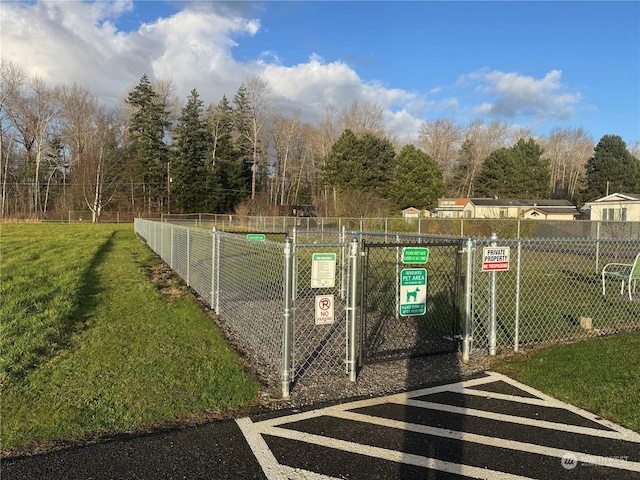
x=320, y=345
x=551, y=293
x=396, y=322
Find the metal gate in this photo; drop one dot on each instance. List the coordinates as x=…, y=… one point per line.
x=410, y=305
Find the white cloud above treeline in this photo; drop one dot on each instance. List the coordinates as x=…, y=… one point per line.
x=78, y=42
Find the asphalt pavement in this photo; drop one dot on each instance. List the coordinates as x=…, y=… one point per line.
x=487, y=427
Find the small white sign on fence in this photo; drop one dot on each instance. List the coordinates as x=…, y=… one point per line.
x=323, y=270
x=324, y=309
x=495, y=259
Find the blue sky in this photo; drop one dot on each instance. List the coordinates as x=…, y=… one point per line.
x=535, y=65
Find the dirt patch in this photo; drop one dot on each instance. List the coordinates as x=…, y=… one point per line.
x=168, y=283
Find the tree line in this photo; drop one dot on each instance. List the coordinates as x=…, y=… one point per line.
x=62, y=150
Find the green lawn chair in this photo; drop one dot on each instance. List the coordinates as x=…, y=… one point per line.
x=625, y=272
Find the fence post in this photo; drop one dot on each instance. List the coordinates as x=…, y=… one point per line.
x=171, y=254
x=353, y=303
x=188, y=257
x=493, y=300
x=217, y=263
x=468, y=282
x=597, y=245
x=286, y=331
x=516, y=333
x=294, y=263
x=343, y=262
x=212, y=304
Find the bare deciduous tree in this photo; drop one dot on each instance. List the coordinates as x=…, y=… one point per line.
x=285, y=136
x=34, y=112
x=12, y=78
x=101, y=166
x=479, y=140
x=568, y=150
x=441, y=140
x=363, y=117
x=259, y=108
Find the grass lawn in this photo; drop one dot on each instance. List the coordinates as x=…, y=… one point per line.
x=601, y=375
x=91, y=347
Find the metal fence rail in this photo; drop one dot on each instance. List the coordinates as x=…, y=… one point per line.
x=264, y=293
x=426, y=226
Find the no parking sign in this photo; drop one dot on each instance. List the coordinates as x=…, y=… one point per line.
x=324, y=309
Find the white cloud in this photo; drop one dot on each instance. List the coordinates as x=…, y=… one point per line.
x=512, y=95
x=67, y=42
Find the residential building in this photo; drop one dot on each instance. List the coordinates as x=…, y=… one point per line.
x=615, y=207
x=506, y=208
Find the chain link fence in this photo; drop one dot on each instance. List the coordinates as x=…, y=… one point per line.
x=552, y=291
x=243, y=279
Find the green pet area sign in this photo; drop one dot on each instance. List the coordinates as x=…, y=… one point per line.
x=413, y=291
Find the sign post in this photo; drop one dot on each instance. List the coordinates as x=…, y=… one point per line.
x=413, y=291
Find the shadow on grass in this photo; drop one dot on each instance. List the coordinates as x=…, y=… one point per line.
x=66, y=328
x=80, y=318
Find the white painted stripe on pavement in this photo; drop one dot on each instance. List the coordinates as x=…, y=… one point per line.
x=628, y=435
x=274, y=471
x=486, y=440
x=268, y=462
x=394, y=455
x=397, y=398
x=502, y=417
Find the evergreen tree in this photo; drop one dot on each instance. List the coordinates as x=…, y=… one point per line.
x=611, y=169
x=231, y=176
x=516, y=172
x=190, y=147
x=146, y=130
x=417, y=180
x=361, y=164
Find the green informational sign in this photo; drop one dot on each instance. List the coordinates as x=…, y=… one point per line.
x=415, y=255
x=256, y=237
x=413, y=291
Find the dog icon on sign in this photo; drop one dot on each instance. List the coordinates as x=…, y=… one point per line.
x=413, y=296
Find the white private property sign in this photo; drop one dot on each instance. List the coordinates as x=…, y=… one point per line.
x=324, y=309
x=495, y=259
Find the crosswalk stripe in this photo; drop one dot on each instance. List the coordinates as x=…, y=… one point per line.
x=486, y=440
x=268, y=462
x=392, y=455
x=515, y=419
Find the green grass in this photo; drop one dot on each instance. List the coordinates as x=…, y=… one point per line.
x=601, y=375
x=126, y=358
x=43, y=271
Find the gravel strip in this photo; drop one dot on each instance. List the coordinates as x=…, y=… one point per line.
x=378, y=379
